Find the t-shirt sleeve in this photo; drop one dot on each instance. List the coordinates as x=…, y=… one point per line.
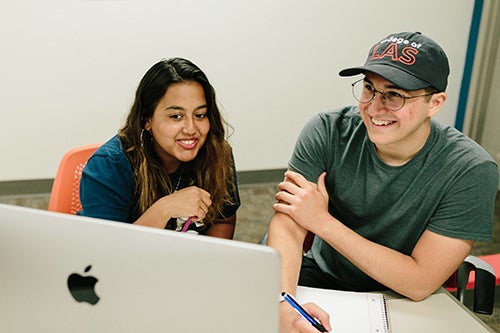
x=106, y=189
x=310, y=156
x=467, y=209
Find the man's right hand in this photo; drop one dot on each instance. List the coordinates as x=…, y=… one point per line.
x=292, y=322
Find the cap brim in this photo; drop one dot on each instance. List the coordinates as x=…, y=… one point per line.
x=398, y=77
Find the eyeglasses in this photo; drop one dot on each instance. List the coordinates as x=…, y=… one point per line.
x=364, y=92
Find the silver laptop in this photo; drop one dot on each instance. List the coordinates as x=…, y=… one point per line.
x=66, y=273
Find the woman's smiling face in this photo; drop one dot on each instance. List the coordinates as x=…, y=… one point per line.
x=179, y=124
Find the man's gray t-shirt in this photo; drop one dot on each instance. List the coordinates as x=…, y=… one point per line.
x=448, y=188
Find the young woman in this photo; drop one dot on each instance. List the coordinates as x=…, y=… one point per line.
x=170, y=165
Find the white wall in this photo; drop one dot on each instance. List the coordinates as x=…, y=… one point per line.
x=490, y=136
x=69, y=68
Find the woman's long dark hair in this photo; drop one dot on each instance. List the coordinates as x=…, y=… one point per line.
x=212, y=167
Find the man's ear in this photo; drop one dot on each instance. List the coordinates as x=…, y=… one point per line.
x=436, y=103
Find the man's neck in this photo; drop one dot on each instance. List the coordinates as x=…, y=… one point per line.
x=399, y=153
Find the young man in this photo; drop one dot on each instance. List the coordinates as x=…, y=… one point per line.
x=395, y=199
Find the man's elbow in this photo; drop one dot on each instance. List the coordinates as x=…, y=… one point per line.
x=419, y=294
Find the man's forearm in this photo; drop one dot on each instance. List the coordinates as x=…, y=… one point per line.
x=287, y=238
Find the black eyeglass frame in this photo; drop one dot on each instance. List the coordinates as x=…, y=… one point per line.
x=384, y=97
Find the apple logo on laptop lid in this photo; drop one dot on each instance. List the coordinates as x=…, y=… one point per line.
x=82, y=287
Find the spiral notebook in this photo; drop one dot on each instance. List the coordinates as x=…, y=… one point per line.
x=350, y=312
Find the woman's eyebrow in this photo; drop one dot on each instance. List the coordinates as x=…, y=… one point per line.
x=204, y=106
x=180, y=108
x=174, y=107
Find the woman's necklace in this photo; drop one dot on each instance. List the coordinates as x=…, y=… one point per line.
x=178, y=183
x=178, y=180
x=181, y=221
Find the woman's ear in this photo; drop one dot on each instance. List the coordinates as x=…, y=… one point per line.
x=147, y=125
x=436, y=103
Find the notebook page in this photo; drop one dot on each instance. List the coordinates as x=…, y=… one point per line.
x=350, y=312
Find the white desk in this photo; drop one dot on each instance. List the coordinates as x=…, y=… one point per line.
x=439, y=313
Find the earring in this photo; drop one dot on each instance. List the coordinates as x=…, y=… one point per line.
x=185, y=131
x=142, y=138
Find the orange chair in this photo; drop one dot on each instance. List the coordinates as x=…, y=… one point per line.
x=65, y=194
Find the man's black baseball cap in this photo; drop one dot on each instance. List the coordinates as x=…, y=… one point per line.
x=409, y=60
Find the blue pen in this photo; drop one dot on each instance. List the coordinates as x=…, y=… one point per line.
x=313, y=321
